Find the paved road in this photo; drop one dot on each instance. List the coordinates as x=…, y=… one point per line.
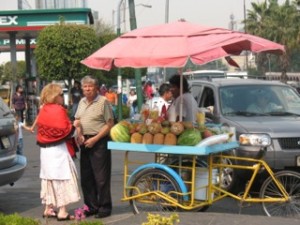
x=23, y=198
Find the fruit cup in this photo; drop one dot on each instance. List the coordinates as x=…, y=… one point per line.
x=201, y=119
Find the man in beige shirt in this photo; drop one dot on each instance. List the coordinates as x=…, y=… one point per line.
x=95, y=118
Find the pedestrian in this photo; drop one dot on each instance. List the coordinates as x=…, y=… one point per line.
x=76, y=95
x=103, y=90
x=189, y=105
x=163, y=102
x=95, y=116
x=21, y=126
x=19, y=102
x=132, y=103
x=58, y=173
x=112, y=97
x=148, y=91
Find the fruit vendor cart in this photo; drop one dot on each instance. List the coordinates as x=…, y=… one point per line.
x=159, y=184
x=167, y=184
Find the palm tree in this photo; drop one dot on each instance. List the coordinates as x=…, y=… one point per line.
x=279, y=23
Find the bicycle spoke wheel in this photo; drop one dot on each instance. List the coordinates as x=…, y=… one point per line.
x=152, y=180
x=290, y=180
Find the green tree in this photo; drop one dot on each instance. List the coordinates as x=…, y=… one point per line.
x=7, y=74
x=61, y=47
x=1, y=73
x=106, y=34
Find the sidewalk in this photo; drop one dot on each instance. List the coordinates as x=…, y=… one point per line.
x=23, y=198
x=193, y=218
x=199, y=218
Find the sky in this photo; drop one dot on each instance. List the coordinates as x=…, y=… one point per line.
x=205, y=12
x=210, y=13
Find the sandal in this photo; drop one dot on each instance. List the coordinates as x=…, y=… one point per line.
x=52, y=214
x=68, y=217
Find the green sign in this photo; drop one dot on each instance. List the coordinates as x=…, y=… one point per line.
x=44, y=17
x=6, y=42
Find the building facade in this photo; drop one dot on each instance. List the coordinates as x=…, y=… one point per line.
x=60, y=4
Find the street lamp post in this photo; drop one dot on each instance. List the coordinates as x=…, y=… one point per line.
x=167, y=12
x=114, y=13
x=137, y=72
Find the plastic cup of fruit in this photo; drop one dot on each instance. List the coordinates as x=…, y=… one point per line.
x=201, y=118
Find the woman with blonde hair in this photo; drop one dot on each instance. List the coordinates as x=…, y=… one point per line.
x=58, y=172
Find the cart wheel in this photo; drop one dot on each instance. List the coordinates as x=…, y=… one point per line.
x=151, y=180
x=290, y=180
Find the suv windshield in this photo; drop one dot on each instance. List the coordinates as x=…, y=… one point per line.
x=259, y=100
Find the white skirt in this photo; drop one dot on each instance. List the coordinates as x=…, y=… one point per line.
x=58, y=189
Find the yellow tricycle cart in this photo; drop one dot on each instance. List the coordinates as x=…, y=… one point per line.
x=176, y=179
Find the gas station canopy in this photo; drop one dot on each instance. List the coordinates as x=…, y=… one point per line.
x=26, y=24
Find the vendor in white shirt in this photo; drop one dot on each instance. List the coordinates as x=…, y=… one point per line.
x=163, y=101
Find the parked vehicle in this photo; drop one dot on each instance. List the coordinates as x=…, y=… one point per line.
x=12, y=166
x=204, y=74
x=230, y=101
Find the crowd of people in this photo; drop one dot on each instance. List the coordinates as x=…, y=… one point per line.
x=89, y=125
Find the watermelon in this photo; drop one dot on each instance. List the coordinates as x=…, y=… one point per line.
x=120, y=133
x=189, y=137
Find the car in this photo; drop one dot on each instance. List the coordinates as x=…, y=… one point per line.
x=229, y=101
x=12, y=166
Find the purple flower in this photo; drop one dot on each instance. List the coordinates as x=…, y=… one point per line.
x=86, y=208
x=79, y=213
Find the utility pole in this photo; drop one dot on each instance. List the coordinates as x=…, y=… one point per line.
x=137, y=72
x=119, y=70
x=166, y=21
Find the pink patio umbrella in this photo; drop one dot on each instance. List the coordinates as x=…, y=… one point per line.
x=173, y=44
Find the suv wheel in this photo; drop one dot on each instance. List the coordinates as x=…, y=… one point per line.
x=229, y=177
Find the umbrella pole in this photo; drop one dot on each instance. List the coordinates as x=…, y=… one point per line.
x=180, y=96
x=120, y=116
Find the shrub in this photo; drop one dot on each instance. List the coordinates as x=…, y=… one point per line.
x=15, y=219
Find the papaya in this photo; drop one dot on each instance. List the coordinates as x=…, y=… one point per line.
x=170, y=139
x=136, y=138
x=158, y=139
x=147, y=138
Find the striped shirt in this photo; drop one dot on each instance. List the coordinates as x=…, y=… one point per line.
x=93, y=116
